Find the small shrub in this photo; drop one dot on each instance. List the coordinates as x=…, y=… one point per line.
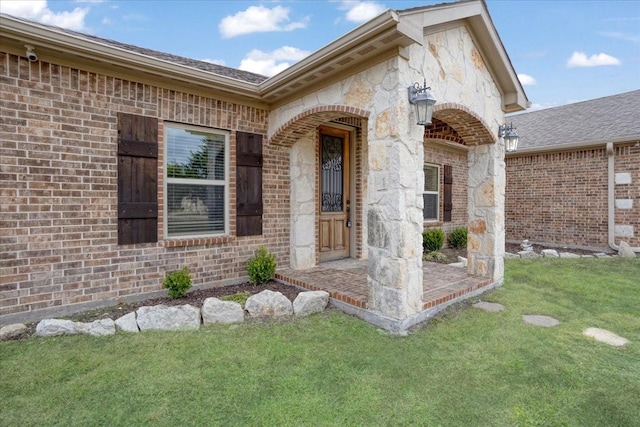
x=177, y=282
x=432, y=240
x=262, y=266
x=435, y=256
x=240, y=297
x=458, y=237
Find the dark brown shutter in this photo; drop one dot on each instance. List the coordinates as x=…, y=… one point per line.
x=248, y=184
x=447, y=192
x=137, y=179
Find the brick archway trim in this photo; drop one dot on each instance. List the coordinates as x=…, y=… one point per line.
x=310, y=119
x=469, y=127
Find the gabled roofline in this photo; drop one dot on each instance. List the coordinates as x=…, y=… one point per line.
x=388, y=32
x=475, y=15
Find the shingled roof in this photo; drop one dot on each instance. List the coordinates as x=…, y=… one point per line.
x=188, y=62
x=609, y=119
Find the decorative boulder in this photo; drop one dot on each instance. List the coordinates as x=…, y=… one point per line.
x=127, y=323
x=568, y=255
x=307, y=303
x=528, y=254
x=163, y=318
x=268, y=303
x=550, y=253
x=97, y=328
x=215, y=310
x=12, y=331
x=625, y=250
x=55, y=327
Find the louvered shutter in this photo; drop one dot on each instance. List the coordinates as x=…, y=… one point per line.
x=248, y=184
x=447, y=193
x=137, y=179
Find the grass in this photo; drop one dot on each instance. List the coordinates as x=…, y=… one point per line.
x=468, y=368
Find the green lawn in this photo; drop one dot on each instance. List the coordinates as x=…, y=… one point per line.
x=469, y=368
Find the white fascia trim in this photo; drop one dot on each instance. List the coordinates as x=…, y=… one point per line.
x=575, y=145
x=382, y=22
x=32, y=33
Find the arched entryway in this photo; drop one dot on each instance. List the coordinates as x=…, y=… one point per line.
x=322, y=231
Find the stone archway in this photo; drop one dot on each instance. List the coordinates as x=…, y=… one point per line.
x=300, y=133
x=486, y=186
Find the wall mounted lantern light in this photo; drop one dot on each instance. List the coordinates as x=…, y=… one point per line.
x=423, y=101
x=510, y=136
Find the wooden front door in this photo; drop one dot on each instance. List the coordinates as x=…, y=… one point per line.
x=334, y=199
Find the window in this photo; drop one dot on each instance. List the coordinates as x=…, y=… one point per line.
x=431, y=192
x=196, y=177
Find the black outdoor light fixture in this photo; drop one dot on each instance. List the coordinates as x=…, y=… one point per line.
x=424, y=101
x=510, y=136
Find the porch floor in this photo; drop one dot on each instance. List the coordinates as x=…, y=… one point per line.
x=346, y=280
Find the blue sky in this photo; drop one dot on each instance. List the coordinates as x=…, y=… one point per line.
x=563, y=51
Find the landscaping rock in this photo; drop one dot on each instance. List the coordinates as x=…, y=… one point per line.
x=492, y=307
x=601, y=255
x=625, y=250
x=539, y=320
x=463, y=260
x=163, y=318
x=528, y=254
x=550, y=253
x=55, y=327
x=127, y=323
x=509, y=255
x=568, y=255
x=307, y=303
x=607, y=337
x=12, y=331
x=268, y=303
x=215, y=310
x=97, y=328
x=586, y=256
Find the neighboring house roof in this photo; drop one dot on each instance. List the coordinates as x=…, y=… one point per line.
x=380, y=37
x=613, y=118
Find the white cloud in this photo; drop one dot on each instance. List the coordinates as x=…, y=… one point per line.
x=259, y=19
x=38, y=11
x=361, y=11
x=271, y=63
x=580, y=59
x=214, y=61
x=526, y=80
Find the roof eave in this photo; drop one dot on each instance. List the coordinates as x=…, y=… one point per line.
x=570, y=146
x=47, y=38
x=381, y=34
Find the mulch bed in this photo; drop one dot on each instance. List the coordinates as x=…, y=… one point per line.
x=195, y=298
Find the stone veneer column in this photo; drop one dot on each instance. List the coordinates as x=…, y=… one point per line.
x=394, y=222
x=486, y=240
x=303, y=204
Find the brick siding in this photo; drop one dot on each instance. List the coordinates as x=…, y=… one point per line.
x=561, y=198
x=458, y=160
x=58, y=189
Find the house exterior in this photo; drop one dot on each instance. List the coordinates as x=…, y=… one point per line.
x=575, y=179
x=120, y=164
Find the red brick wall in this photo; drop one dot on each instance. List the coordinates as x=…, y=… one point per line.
x=561, y=198
x=458, y=160
x=58, y=189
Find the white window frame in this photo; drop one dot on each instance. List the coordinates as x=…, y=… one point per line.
x=436, y=192
x=225, y=182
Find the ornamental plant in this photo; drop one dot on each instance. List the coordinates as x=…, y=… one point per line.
x=262, y=266
x=458, y=237
x=432, y=240
x=177, y=282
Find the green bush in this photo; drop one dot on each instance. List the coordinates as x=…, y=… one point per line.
x=458, y=237
x=435, y=256
x=432, y=240
x=262, y=266
x=178, y=282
